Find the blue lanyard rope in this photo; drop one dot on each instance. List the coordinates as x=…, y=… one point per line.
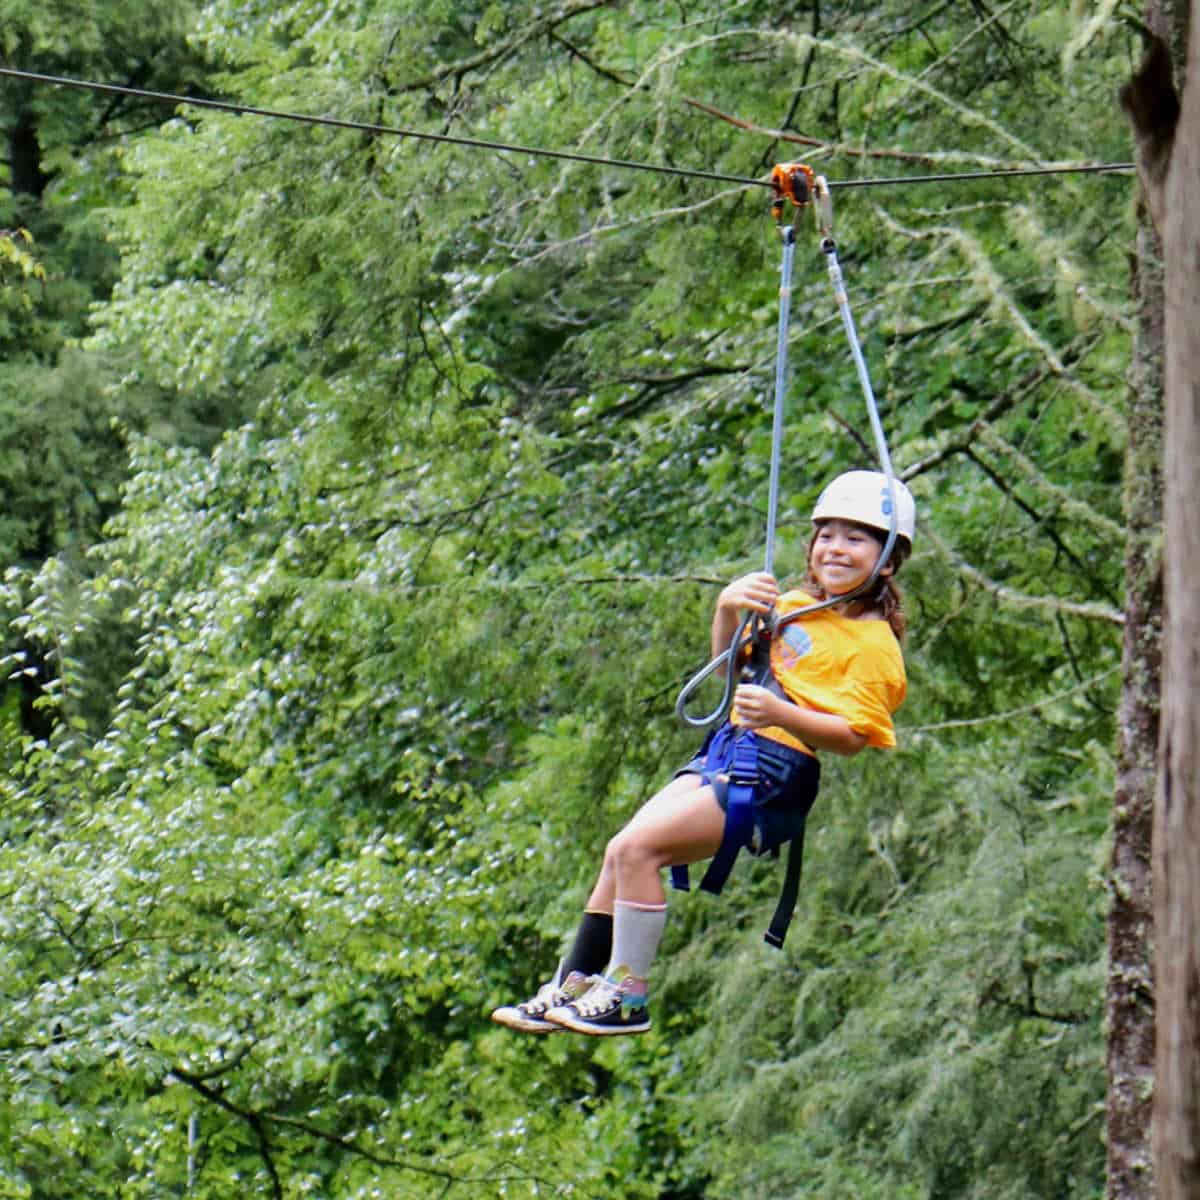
x=781, y=365
x=755, y=629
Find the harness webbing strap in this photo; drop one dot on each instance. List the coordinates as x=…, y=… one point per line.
x=731, y=759
x=739, y=812
x=788, y=895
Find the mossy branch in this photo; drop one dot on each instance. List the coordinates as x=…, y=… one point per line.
x=1011, y=598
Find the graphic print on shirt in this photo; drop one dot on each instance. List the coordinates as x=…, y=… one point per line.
x=794, y=644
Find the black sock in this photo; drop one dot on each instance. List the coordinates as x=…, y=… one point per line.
x=593, y=944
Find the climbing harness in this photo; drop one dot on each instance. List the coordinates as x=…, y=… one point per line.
x=731, y=752
x=731, y=760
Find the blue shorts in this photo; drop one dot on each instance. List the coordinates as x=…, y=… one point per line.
x=788, y=780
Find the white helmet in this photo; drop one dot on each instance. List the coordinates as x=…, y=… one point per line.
x=862, y=497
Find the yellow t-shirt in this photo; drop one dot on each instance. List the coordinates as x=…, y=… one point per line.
x=836, y=664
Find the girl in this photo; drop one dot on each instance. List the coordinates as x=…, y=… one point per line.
x=837, y=678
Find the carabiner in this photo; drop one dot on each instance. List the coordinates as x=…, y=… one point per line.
x=823, y=209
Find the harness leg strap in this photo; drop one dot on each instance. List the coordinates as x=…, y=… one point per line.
x=730, y=761
x=739, y=827
x=739, y=779
x=680, y=880
x=739, y=813
x=787, y=897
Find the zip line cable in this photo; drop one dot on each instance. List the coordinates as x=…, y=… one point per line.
x=537, y=151
x=365, y=127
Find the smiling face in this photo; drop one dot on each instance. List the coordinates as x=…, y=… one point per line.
x=842, y=555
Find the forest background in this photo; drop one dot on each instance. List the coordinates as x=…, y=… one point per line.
x=365, y=502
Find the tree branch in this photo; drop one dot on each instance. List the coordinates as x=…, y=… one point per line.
x=1022, y=600
x=587, y=60
x=502, y=50
x=255, y=1120
x=932, y=158
x=1064, y=503
x=983, y=274
x=1032, y=513
x=657, y=387
x=259, y=1119
x=1013, y=714
x=909, y=333
x=1029, y=1008
x=954, y=442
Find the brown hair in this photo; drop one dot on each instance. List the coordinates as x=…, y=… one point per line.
x=884, y=596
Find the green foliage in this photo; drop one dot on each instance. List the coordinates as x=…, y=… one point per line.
x=67, y=409
x=317, y=744
x=17, y=261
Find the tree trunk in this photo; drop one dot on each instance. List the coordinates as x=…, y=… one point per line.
x=1177, y=823
x=1168, y=148
x=1129, y=1005
x=25, y=156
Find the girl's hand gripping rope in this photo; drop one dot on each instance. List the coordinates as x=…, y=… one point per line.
x=757, y=707
x=742, y=607
x=756, y=592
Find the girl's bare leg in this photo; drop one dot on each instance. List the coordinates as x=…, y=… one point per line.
x=683, y=823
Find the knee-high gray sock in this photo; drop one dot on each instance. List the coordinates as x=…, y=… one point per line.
x=637, y=930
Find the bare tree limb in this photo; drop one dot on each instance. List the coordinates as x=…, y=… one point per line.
x=838, y=149
x=259, y=1119
x=504, y=49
